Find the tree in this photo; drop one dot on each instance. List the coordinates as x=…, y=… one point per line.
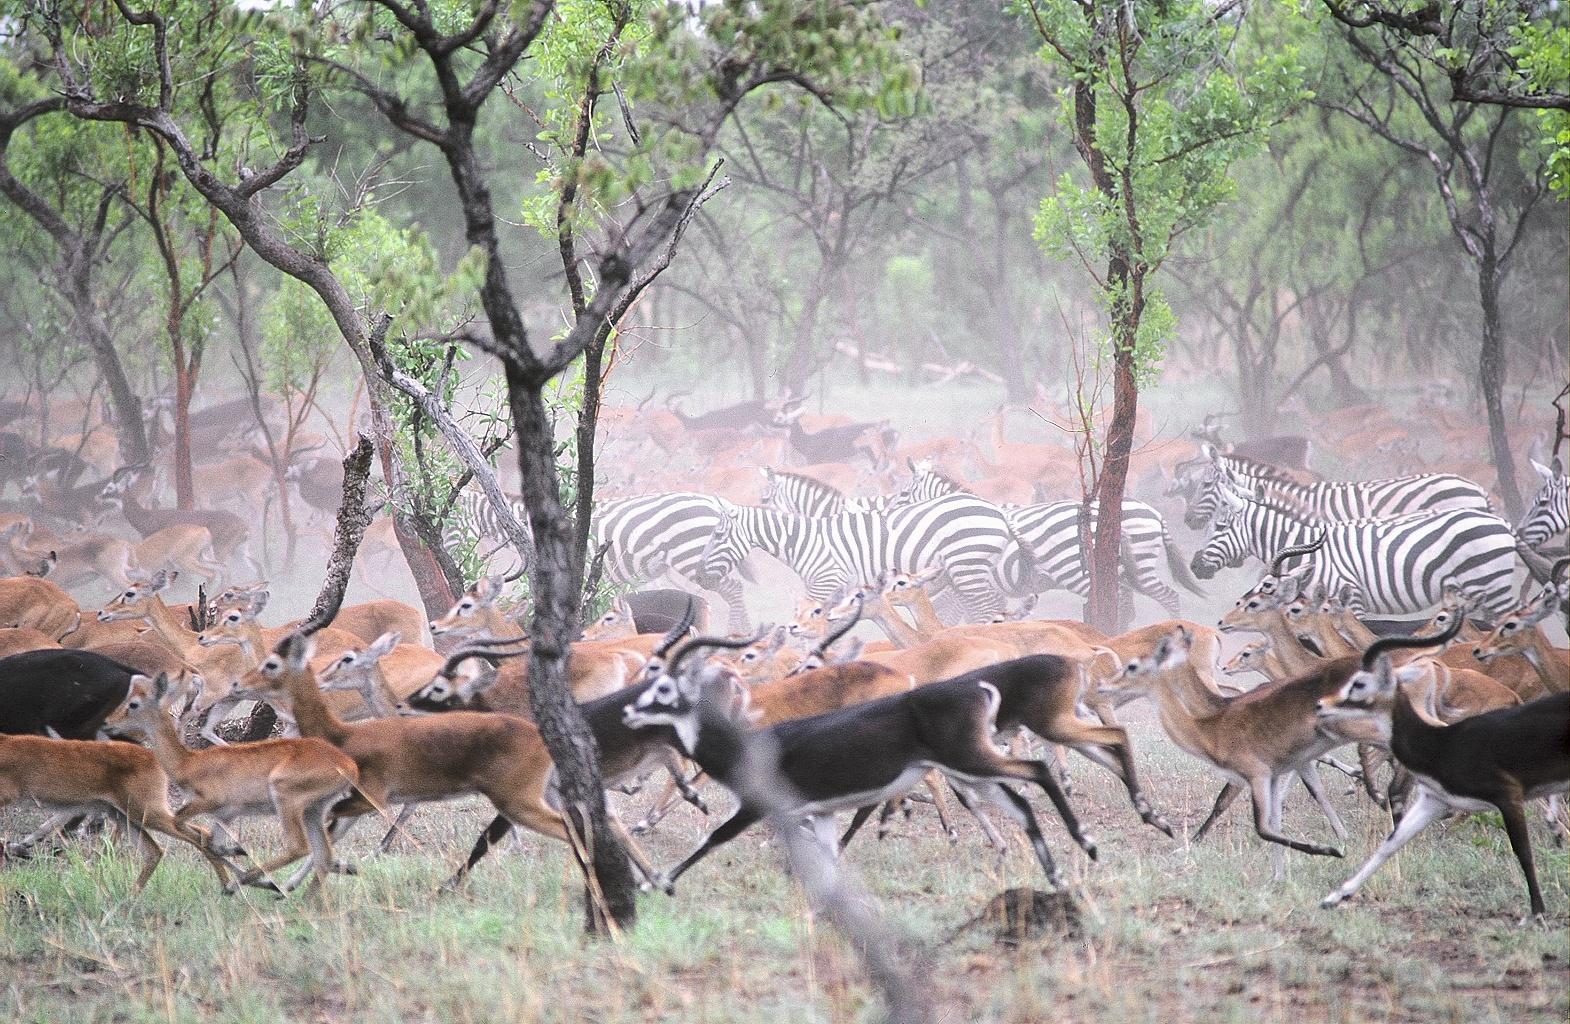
x=643, y=186
x=1486, y=200
x=1158, y=106
x=80, y=225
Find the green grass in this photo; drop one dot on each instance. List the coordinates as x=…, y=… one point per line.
x=1173, y=931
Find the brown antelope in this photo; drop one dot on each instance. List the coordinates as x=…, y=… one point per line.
x=1259, y=739
x=121, y=780
x=1262, y=610
x=242, y=479
x=141, y=602
x=1258, y=656
x=384, y=673
x=596, y=668
x=1510, y=668
x=296, y=779
x=39, y=604
x=416, y=759
x=1518, y=633
x=15, y=639
x=77, y=558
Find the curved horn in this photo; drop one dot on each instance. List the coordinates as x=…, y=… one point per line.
x=696, y=642
x=1296, y=552
x=482, y=647
x=679, y=630
x=838, y=631
x=1396, y=643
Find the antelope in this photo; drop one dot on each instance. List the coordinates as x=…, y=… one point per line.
x=243, y=479
x=78, y=558
x=647, y=611
x=384, y=673
x=296, y=779
x=850, y=758
x=122, y=780
x=34, y=603
x=1258, y=739
x=1493, y=761
x=1518, y=633
x=1261, y=610
x=414, y=760
x=1511, y=669
x=16, y=639
x=1259, y=656
x=230, y=535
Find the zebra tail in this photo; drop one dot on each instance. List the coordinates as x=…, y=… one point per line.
x=1178, y=565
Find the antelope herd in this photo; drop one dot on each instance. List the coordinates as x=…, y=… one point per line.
x=113, y=695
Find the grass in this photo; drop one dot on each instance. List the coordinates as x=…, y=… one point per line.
x=1174, y=931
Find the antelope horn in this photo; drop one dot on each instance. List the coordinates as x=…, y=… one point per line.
x=696, y=642
x=838, y=631
x=1396, y=643
x=1295, y=552
x=484, y=647
x=679, y=630
x=1554, y=572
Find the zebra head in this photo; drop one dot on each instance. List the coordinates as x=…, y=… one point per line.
x=728, y=547
x=926, y=484
x=1549, y=515
x=1201, y=488
x=1227, y=542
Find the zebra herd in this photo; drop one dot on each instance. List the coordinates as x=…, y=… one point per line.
x=1391, y=545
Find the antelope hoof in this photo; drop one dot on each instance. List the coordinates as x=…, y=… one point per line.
x=343, y=867
x=1328, y=851
x=1334, y=900
x=1161, y=823
x=1088, y=844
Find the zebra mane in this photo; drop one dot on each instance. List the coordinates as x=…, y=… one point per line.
x=1257, y=470
x=1277, y=501
x=812, y=483
x=947, y=481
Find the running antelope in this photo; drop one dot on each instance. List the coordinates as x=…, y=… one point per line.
x=1491, y=762
x=847, y=759
x=1519, y=633
x=415, y=760
x=121, y=780
x=1258, y=739
x=296, y=779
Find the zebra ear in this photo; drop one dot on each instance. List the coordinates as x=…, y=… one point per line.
x=1543, y=471
x=1208, y=450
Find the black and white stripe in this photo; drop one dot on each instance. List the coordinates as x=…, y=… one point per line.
x=1549, y=515
x=1395, y=566
x=664, y=535
x=1335, y=499
x=968, y=537
x=1051, y=533
x=473, y=521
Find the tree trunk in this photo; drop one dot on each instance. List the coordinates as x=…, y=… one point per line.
x=557, y=580
x=129, y=429
x=1105, y=560
x=1491, y=377
x=184, y=384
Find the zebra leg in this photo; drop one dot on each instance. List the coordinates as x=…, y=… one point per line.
x=737, y=620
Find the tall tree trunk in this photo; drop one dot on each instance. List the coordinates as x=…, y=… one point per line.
x=129, y=428
x=557, y=582
x=184, y=384
x=1491, y=377
x=1105, y=561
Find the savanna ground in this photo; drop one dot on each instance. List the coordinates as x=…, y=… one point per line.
x=1172, y=931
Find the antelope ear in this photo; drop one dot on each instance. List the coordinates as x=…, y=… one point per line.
x=296, y=651
x=1412, y=673
x=161, y=687
x=1289, y=587
x=256, y=604
x=159, y=580
x=1384, y=674
x=488, y=589
x=384, y=643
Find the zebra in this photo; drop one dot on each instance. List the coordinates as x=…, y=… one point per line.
x=1397, y=565
x=474, y=520
x=666, y=534
x=968, y=537
x=1549, y=516
x=1335, y=499
x=1050, y=532
x=806, y=496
